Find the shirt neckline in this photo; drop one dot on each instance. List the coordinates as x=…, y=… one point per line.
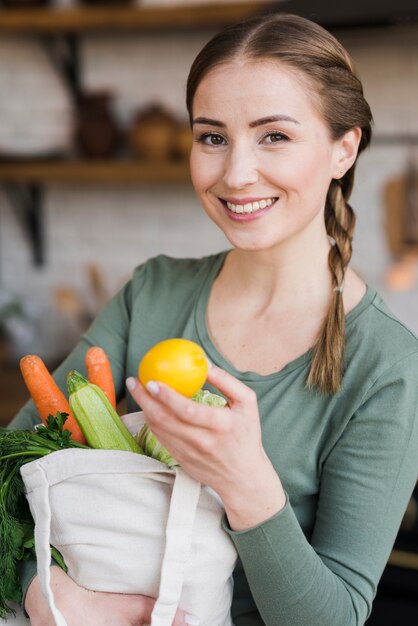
x=217, y=357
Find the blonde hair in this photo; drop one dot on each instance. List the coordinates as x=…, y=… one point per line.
x=307, y=47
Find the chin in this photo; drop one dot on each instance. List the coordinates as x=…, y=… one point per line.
x=251, y=244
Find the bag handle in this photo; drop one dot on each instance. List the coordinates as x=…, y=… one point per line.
x=42, y=518
x=179, y=535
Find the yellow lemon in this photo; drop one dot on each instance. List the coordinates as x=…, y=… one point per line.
x=179, y=363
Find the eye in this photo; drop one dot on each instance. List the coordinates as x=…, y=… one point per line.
x=211, y=139
x=274, y=137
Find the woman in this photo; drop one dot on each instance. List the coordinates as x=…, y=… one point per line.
x=315, y=456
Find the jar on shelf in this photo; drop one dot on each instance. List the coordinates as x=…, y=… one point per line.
x=99, y=135
x=152, y=134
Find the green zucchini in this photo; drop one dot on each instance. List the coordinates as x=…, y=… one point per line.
x=100, y=423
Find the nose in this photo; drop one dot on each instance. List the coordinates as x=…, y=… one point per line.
x=240, y=169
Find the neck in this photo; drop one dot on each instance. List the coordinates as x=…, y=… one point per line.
x=294, y=273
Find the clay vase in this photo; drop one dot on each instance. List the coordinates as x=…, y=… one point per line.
x=152, y=134
x=98, y=132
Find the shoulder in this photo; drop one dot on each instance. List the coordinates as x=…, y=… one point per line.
x=169, y=279
x=378, y=324
x=164, y=266
x=379, y=343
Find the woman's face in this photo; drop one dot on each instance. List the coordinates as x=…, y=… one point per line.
x=262, y=157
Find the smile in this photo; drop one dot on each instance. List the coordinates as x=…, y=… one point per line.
x=250, y=207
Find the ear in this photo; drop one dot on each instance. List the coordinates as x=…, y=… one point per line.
x=346, y=149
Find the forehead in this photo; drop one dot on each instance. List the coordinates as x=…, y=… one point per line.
x=256, y=86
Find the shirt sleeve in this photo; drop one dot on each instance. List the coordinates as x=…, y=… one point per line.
x=366, y=482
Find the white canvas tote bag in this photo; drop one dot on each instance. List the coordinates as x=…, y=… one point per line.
x=126, y=523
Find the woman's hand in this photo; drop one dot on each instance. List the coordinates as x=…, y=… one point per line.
x=92, y=608
x=219, y=446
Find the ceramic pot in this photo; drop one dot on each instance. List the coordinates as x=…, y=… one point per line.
x=98, y=132
x=152, y=134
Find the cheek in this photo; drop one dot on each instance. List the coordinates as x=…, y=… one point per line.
x=198, y=172
x=205, y=170
x=307, y=176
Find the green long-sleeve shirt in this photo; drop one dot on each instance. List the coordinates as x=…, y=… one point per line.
x=348, y=462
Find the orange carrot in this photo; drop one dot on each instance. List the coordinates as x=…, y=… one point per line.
x=46, y=394
x=99, y=372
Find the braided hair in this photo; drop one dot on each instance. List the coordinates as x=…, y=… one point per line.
x=328, y=69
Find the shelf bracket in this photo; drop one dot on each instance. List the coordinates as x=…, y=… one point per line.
x=27, y=200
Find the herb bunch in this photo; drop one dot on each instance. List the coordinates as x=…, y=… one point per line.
x=17, y=543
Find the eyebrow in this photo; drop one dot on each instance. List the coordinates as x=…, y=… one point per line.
x=260, y=122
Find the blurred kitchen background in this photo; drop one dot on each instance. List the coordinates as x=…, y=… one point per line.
x=94, y=144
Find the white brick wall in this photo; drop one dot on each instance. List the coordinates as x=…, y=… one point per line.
x=118, y=227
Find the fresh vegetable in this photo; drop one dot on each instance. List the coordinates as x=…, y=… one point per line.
x=18, y=447
x=179, y=363
x=152, y=447
x=99, y=372
x=203, y=396
x=101, y=425
x=149, y=442
x=47, y=396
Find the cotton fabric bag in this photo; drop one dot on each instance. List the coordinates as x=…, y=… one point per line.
x=126, y=523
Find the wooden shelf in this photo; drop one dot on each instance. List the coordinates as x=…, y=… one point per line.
x=103, y=172
x=49, y=20
x=68, y=23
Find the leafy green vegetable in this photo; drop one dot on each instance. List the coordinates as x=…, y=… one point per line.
x=17, y=543
x=149, y=442
x=203, y=396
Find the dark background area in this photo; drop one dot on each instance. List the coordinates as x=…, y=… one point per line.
x=355, y=13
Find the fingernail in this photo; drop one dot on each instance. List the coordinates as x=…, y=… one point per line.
x=153, y=387
x=192, y=620
x=131, y=383
x=209, y=362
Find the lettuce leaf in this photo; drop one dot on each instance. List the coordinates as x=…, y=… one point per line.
x=149, y=442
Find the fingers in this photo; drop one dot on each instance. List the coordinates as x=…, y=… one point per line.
x=159, y=399
x=237, y=393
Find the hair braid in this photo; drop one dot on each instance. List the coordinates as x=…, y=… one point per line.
x=327, y=363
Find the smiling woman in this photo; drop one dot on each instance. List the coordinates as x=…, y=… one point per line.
x=315, y=454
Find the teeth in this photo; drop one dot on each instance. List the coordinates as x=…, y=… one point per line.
x=250, y=207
